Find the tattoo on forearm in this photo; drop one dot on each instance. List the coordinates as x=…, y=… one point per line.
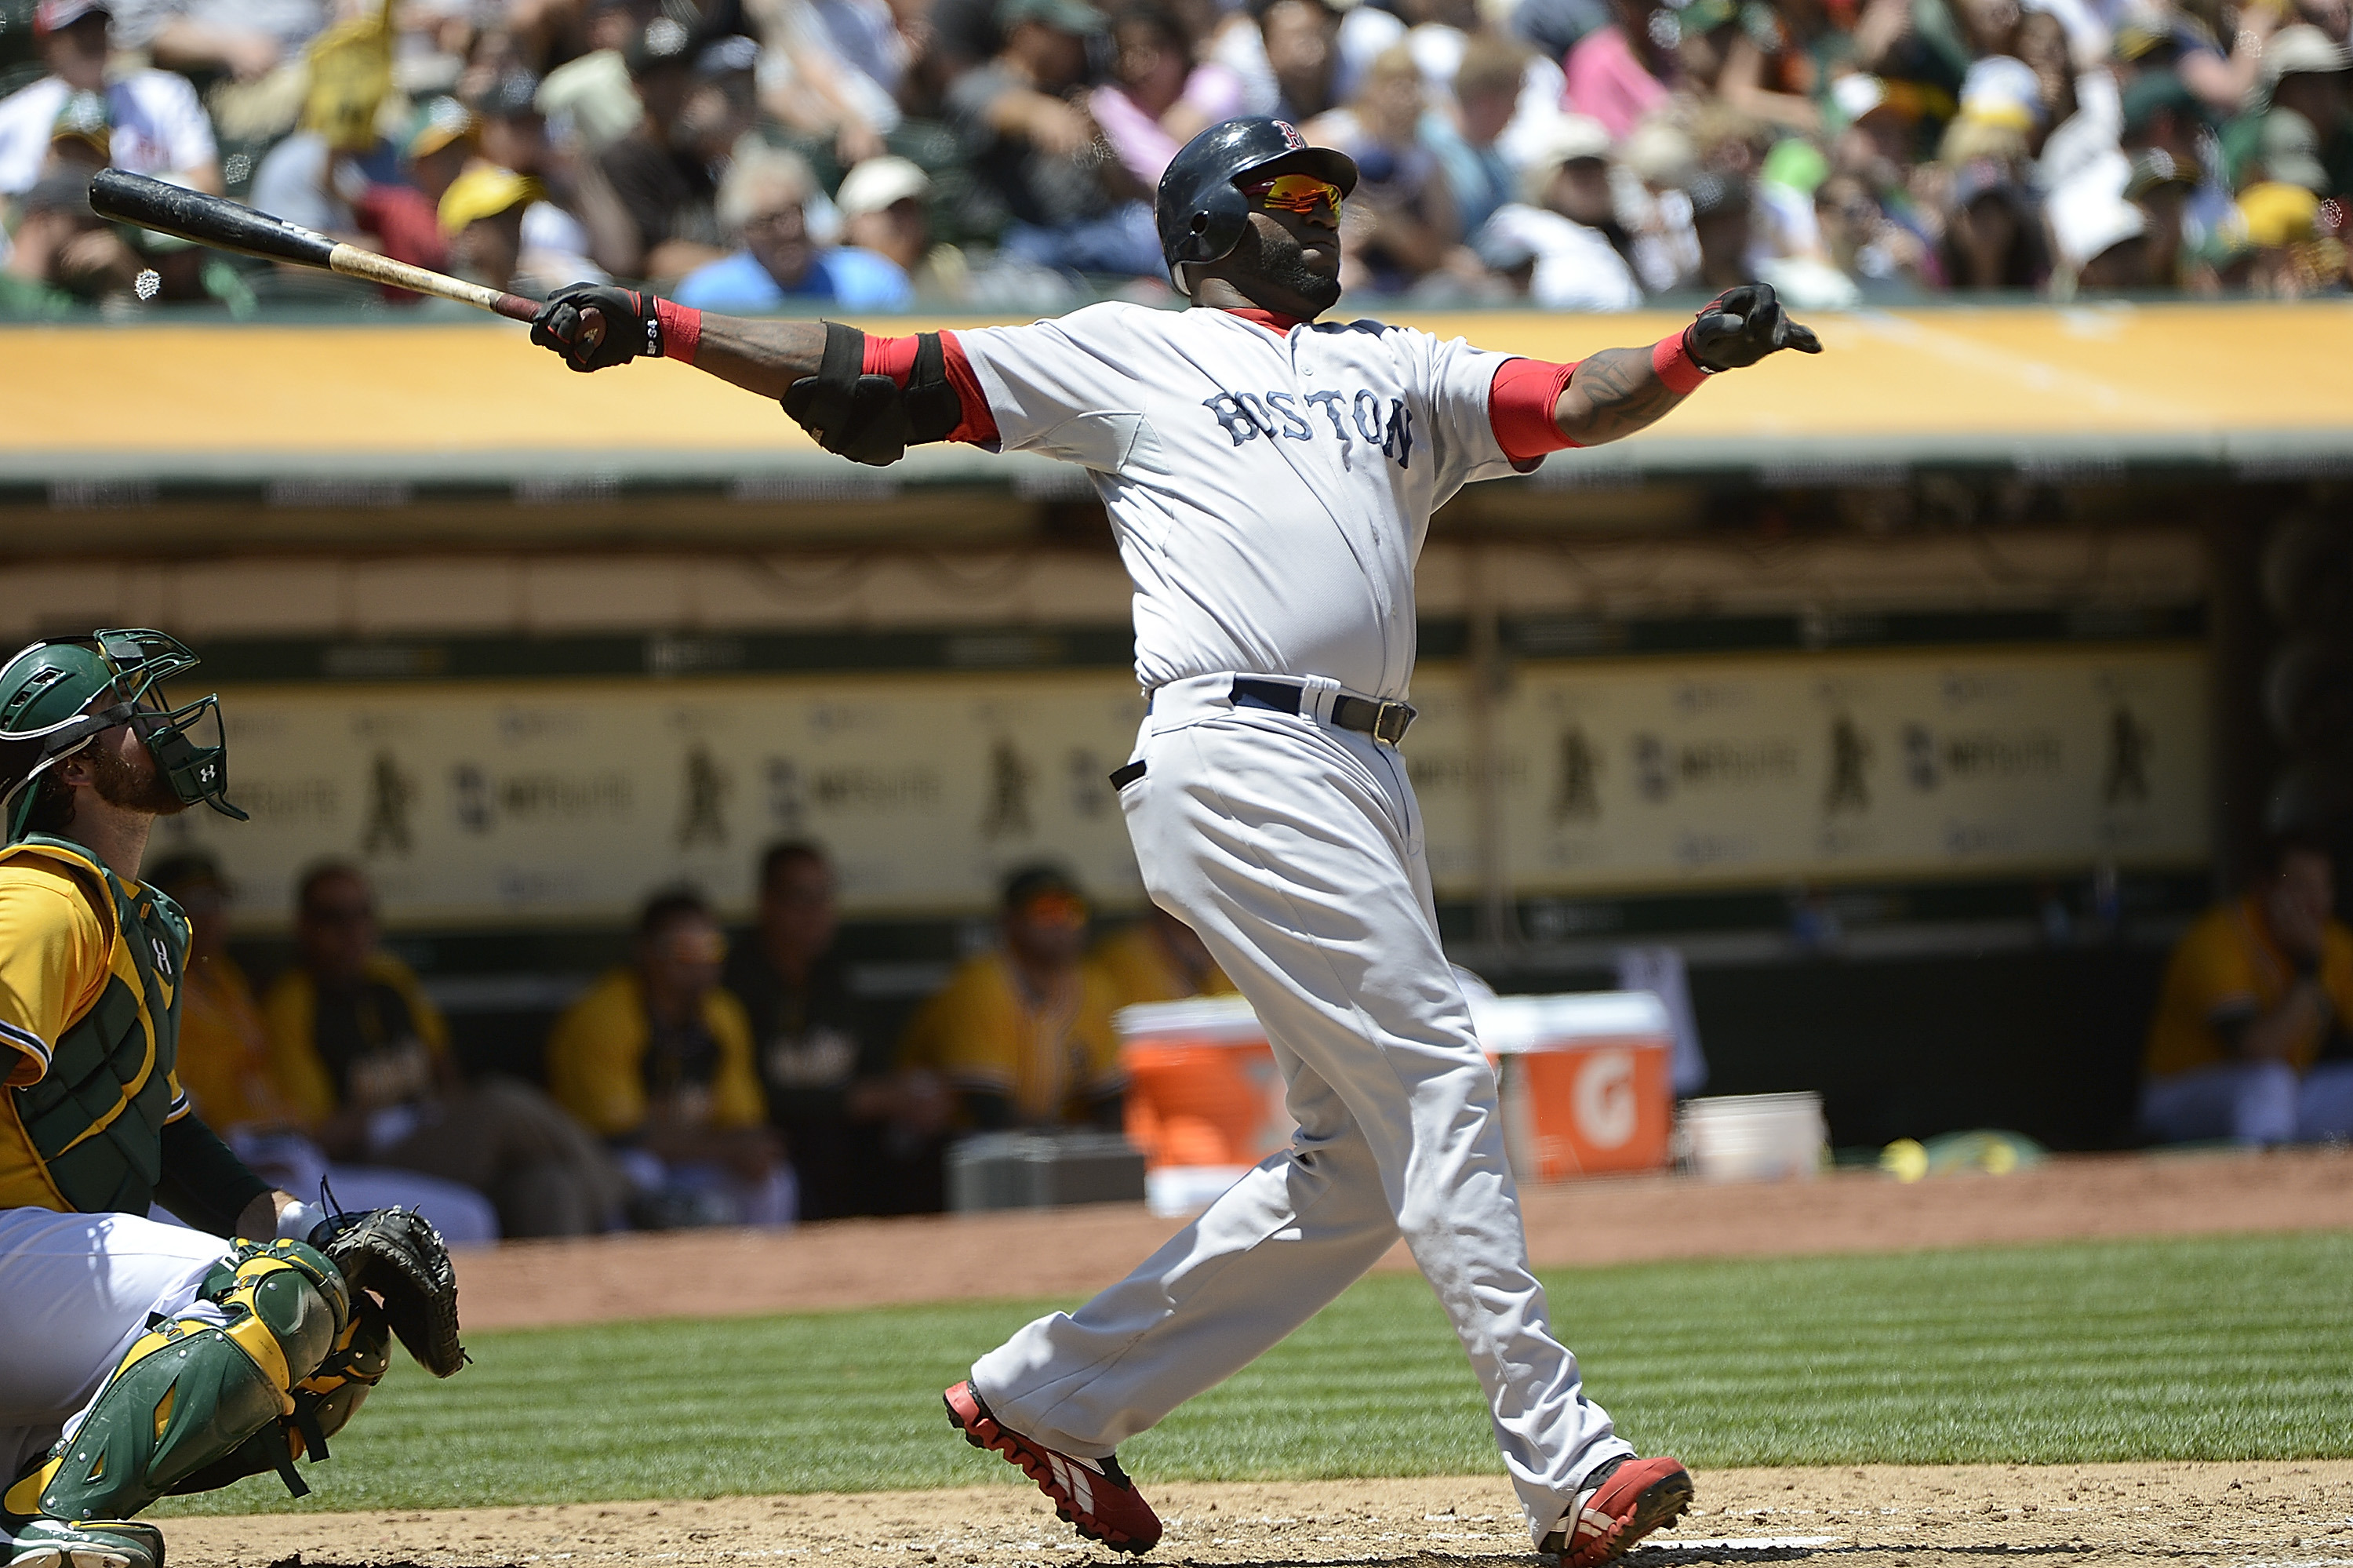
x=1614, y=393
x=762, y=357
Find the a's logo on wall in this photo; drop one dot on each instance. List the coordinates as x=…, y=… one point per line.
x=787, y=796
x=704, y=820
x=1009, y=779
x=391, y=795
x=1576, y=798
x=2124, y=781
x=1849, y=790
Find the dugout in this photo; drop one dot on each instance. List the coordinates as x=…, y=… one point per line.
x=1916, y=693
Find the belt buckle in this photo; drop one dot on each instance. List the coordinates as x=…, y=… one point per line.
x=1389, y=722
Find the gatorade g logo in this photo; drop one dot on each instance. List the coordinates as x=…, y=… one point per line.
x=1352, y=419
x=1607, y=1115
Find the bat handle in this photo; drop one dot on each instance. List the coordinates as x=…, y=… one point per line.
x=592, y=330
x=516, y=308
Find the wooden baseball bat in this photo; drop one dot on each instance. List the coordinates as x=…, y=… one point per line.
x=226, y=225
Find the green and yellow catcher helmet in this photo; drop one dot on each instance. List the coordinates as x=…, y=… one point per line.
x=57, y=695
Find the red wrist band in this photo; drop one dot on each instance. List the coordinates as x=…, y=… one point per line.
x=681, y=330
x=1671, y=357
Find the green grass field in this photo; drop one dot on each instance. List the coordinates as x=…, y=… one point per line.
x=2209, y=1349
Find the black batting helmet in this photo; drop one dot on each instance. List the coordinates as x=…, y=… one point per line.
x=1201, y=209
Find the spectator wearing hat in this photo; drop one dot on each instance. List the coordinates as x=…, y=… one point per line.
x=765, y=199
x=1665, y=252
x=1035, y=148
x=481, y=216
x=2101, y=239
x=2161, y=117
x=883, y=206
x=1563, y=216
x=148, y=122
x=222, y=1062
x=2306, y=110
x=657, y=1059
x=403, y=214
x=1023, y=1033
x=64, y=257
x=2288, y=256
x=577, y=227
x=664, y=170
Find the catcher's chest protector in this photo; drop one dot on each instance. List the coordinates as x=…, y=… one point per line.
x=111, y=1069
x=192, y=1393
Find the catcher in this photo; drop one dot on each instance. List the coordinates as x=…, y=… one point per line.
x=140, y=1359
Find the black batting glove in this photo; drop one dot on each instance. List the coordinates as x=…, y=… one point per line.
x=629, y=329
x=1741, y=326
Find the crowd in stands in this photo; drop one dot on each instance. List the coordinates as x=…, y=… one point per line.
x=701, y=1083
x=1002, y=154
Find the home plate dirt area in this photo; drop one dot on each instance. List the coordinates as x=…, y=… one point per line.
x=2239, y=1515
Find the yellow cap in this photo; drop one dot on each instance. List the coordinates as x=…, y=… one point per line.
x=2279, y=214
x=485, y=190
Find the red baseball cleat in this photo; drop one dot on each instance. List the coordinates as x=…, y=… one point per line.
x=1093, y=1495
x=1627, y=1499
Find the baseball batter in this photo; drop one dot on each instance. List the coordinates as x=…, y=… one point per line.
x=1270, y=479
x=141, y=1359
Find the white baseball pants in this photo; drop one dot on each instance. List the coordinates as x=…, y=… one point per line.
x=1294, y=849
x=77, y=1289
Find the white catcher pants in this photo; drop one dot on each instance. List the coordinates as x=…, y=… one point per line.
x=1294, y=849
x=75, y=1290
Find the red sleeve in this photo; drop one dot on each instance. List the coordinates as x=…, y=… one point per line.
x=1520, y=405
x=895, y=357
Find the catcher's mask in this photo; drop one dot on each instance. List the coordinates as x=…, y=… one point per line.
x=59, y=695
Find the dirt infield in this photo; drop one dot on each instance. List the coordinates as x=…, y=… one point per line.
x=2235, y=1516
x=1074, y=1252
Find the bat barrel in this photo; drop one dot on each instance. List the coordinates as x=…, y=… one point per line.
x=205, y=218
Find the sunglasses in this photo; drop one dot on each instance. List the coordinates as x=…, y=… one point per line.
x=1066, y=910
x=1303, y=194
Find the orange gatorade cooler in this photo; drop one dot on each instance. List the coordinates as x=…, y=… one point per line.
x=1587, y=1083
x=1204, y=1100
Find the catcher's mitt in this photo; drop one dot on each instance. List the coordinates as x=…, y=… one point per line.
x=396, y=1255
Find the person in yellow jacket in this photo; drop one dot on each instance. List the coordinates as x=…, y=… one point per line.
x=223, y=1065
x=1023, y=1035
x=2250, y=1041
x=1157, y=959
x=657, y=1060
x=361, y=1057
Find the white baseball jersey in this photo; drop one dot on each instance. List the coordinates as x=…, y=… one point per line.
x=159, y=127
x=1271, y=491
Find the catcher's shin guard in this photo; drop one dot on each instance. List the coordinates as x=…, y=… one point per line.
x=194, y=1388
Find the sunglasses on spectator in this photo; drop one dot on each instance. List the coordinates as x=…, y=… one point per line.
x=1303, y=194
x=1066, y=910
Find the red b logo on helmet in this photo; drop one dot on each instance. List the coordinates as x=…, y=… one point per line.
x=1291, y=139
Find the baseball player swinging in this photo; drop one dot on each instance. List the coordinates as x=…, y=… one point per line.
x=140, y=1359
x=1270, y=479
